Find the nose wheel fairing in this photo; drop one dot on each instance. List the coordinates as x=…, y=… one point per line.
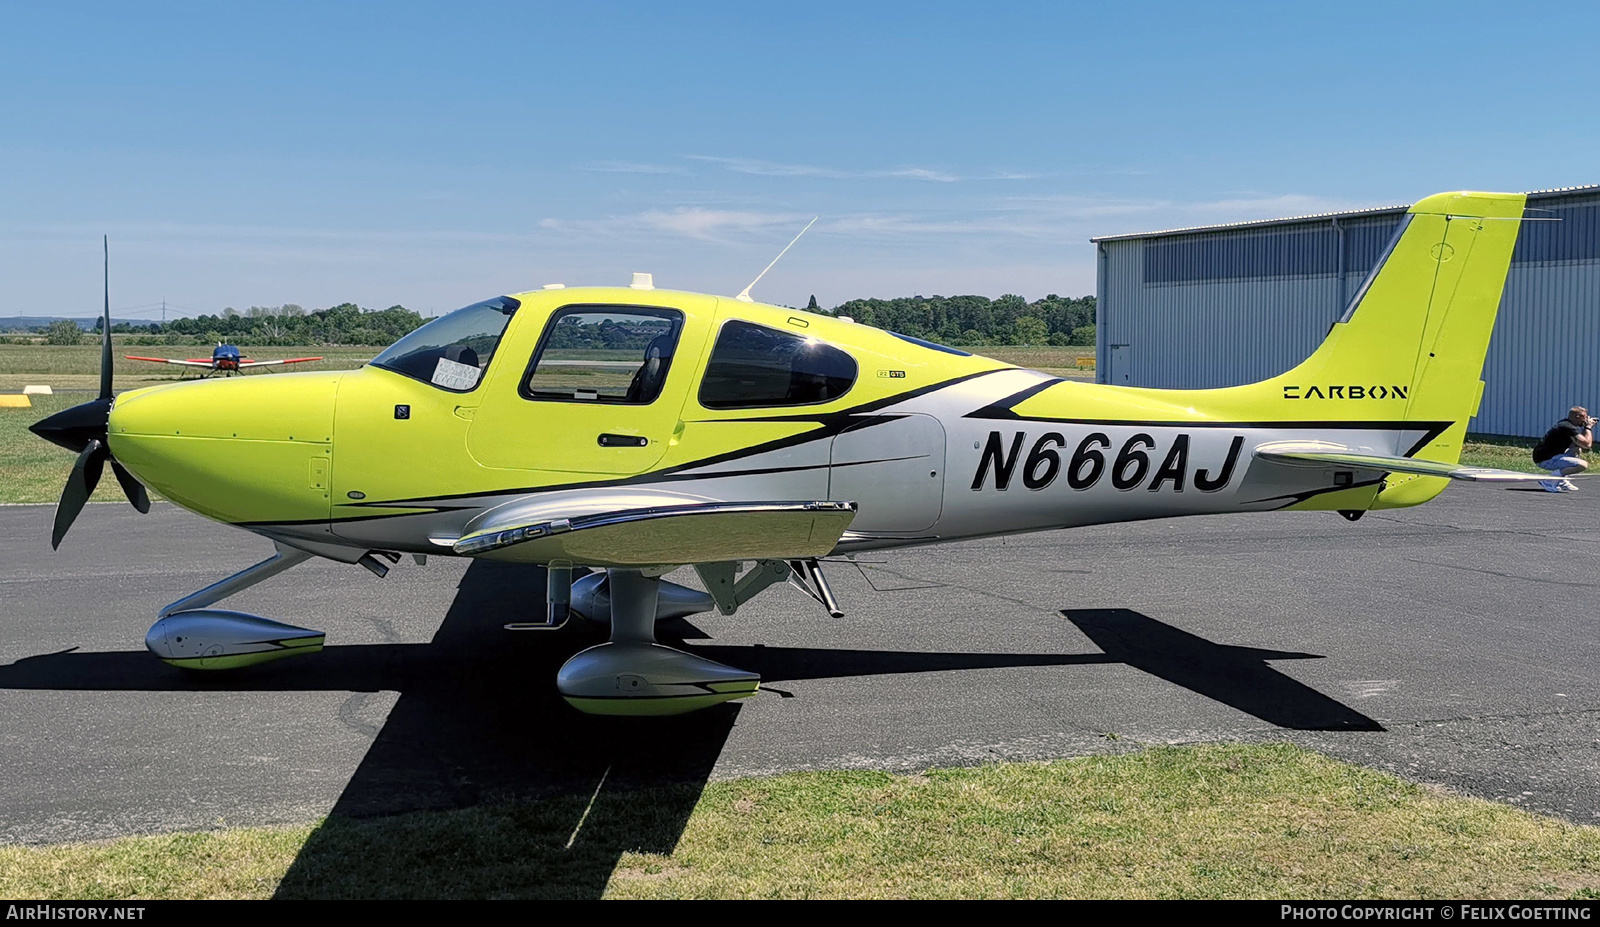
x=218, y=639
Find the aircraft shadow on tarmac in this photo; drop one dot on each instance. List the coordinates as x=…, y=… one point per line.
x=479, y=723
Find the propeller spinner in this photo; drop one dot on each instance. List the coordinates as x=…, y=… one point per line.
x=83, y=428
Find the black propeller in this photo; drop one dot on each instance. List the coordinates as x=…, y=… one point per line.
x=83, y=428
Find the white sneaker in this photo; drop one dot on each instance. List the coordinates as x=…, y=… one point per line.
x=1550, y=485
x=1569, y=486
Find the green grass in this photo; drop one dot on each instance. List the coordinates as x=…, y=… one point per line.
x=78, y=366
x=34, y=470
x=1502, y=451
x=1193, y=822
x=1060, y=362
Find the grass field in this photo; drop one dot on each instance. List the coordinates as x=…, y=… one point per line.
x=34, y=470
x=1269, y=821
x=1505, y=452
x=78, y=366
x=1060, y=362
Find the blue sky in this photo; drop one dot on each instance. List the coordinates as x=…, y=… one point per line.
x=434, y=154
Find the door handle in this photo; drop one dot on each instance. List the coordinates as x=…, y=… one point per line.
x=611, y=440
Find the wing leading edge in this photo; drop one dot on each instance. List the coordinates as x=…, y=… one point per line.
x=169, y=360
x=247, y=362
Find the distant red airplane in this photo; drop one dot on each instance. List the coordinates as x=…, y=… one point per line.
x=225, y=359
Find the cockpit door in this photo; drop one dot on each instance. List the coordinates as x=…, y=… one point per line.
x=595, y=388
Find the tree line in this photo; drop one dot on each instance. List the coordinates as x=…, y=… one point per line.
x=975, y=321
x=289, y=324
x=967, y=321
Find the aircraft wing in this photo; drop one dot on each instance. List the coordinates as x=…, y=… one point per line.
x=1308, y=456
x=246, y=362
x=654, y=529
x=167, y=360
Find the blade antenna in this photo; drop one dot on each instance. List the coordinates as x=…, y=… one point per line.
x=744, y=294
x=105, y=332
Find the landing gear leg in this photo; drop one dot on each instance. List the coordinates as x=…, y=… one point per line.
x=558, y=600
x=633, y=675
x=191, y=636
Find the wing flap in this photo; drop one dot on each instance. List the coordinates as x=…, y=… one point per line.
x=661, y=535
x=1300, y=456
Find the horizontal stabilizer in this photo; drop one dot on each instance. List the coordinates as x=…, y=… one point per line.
x=702, y=532
x=1301, y=456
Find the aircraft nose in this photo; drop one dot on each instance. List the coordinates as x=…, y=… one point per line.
x=240, y=450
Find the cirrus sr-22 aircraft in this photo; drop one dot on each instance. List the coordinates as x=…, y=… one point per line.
x=632, y=431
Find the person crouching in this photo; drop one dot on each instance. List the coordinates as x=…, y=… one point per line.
x=1558, y=451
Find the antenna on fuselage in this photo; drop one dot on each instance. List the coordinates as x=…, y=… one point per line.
x=744, y=294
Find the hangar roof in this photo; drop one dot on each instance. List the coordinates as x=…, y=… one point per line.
x=1348, y=214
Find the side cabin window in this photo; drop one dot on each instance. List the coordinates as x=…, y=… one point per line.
x=607, y=354
x=752, y=365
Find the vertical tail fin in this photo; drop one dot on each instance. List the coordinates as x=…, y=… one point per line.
x=1413, y=341
x=1411, y=345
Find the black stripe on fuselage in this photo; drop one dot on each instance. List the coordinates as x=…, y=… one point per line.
x=1005, y=410
x=832, y=424
x=1001, y=408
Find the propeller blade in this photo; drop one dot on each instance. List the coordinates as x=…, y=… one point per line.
x=132, y=488
x=80, y=485
x=105, y=330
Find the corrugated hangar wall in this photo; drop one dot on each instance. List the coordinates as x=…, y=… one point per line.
x=1228, y=305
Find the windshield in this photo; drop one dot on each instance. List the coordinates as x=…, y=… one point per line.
x=452, y=351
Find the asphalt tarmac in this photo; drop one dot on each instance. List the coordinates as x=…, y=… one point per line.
x=1453, y=644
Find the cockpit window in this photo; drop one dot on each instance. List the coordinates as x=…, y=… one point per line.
x=755, y=366
x=612, y=354
x=454, y=350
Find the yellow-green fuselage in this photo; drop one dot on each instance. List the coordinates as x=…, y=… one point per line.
x=933, y=444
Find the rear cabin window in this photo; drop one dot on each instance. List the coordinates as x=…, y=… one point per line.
x=756, y=366
x=604, y=354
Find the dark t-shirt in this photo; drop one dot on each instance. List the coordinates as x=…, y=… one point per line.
x=1558, y=440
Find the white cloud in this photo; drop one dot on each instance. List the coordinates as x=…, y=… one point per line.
x=633, y=167
x=693, y=222
x=776, y=169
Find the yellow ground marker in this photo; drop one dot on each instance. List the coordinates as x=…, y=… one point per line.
x=15, y=401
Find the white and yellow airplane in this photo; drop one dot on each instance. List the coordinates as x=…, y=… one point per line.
x=633, y=431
